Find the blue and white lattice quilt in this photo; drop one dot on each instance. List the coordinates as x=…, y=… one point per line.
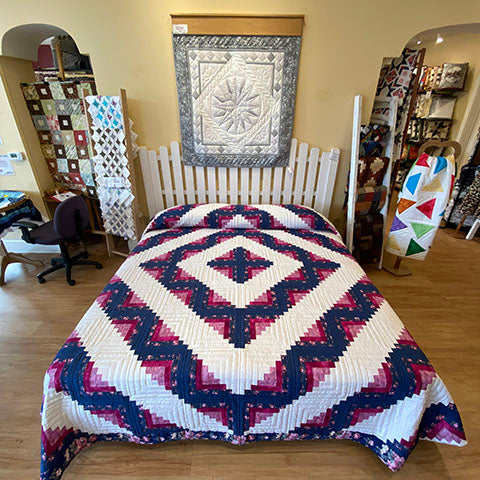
x=242, y=323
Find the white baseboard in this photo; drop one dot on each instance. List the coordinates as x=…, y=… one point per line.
x=19, y=246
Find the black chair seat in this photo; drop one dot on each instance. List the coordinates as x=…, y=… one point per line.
x=45, y=235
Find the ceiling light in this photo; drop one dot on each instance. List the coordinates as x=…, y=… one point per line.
x=439, y=38
x=419, y=42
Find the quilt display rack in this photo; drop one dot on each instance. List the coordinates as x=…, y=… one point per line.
x=114, y=148
x=389, y=107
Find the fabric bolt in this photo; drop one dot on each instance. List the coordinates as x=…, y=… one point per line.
x=57, y=113
x=242, y=324
x=421, y=206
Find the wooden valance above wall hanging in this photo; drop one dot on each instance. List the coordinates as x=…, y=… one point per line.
x=236, y=82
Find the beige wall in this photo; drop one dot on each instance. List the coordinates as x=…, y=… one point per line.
x=343, y=46
x=460, y=48
x=25, y=178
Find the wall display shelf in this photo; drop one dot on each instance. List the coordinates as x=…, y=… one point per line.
x=433, y=109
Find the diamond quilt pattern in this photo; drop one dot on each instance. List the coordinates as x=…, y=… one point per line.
x=242, y=334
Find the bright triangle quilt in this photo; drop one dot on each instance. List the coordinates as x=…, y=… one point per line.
x=242, y=324
x=421, y=206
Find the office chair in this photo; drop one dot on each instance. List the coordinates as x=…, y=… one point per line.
x=68, y=225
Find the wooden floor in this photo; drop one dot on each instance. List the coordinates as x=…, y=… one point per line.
x=439, y=303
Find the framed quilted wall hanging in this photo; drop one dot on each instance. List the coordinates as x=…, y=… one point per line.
x=236, y=96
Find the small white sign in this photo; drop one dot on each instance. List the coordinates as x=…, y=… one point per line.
x=6, y=166
x=180, y=28
x=114, y=182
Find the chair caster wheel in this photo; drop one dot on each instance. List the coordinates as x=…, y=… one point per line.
x=99, y=266
x=71, y=282
x=41, y=280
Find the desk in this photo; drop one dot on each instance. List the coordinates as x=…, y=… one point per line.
x=14, y=206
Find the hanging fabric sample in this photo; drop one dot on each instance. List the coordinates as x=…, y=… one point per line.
x=421, y=206
x=467, y=175
x=236, y=96
x=58, y=115
x=471, y=203
x=370, y=199
x=395, y=81
x=111, y=164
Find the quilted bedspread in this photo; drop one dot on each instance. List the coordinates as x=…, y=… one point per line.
x=242, y=324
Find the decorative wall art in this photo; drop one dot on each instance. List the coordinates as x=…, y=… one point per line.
x=442, y=107
x=236, y=97
x=111, y=164
x=396, y=81
x=454, y=76
x=58, y=116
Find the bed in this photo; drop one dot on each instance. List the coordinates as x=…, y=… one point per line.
x=242, y=323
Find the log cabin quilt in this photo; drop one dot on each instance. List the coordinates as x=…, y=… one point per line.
x=242, y=324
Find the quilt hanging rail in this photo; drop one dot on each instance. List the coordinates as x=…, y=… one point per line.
x=114, y=147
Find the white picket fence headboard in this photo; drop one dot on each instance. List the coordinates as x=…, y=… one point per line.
x=169, y=182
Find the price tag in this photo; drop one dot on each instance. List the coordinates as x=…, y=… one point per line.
x=180, y=28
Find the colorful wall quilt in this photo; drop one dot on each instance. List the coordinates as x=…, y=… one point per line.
x=236, y=97
x=111, y=164
x=421, y=206
x=58, y=116
x=395, y=81
x=242, y=324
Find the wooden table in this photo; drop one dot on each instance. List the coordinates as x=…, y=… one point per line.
x=7, y=207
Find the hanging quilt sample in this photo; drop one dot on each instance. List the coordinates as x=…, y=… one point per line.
x=58, y=116
x=421, y=206
x=236, y=97
x=471, y=203
x=112, y=171
x=243, y=324
x=467, y=175
x=395, y=81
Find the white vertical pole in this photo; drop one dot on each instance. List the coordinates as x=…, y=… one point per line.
x=352, y=186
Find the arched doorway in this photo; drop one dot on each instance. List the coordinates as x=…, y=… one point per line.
x=45, y=75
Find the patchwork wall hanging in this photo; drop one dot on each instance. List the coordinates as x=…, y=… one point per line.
x=58, y=116
x=421, y=206
x=114, y=148
x=236, y=96
x=454, y=76
x=395, y=81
